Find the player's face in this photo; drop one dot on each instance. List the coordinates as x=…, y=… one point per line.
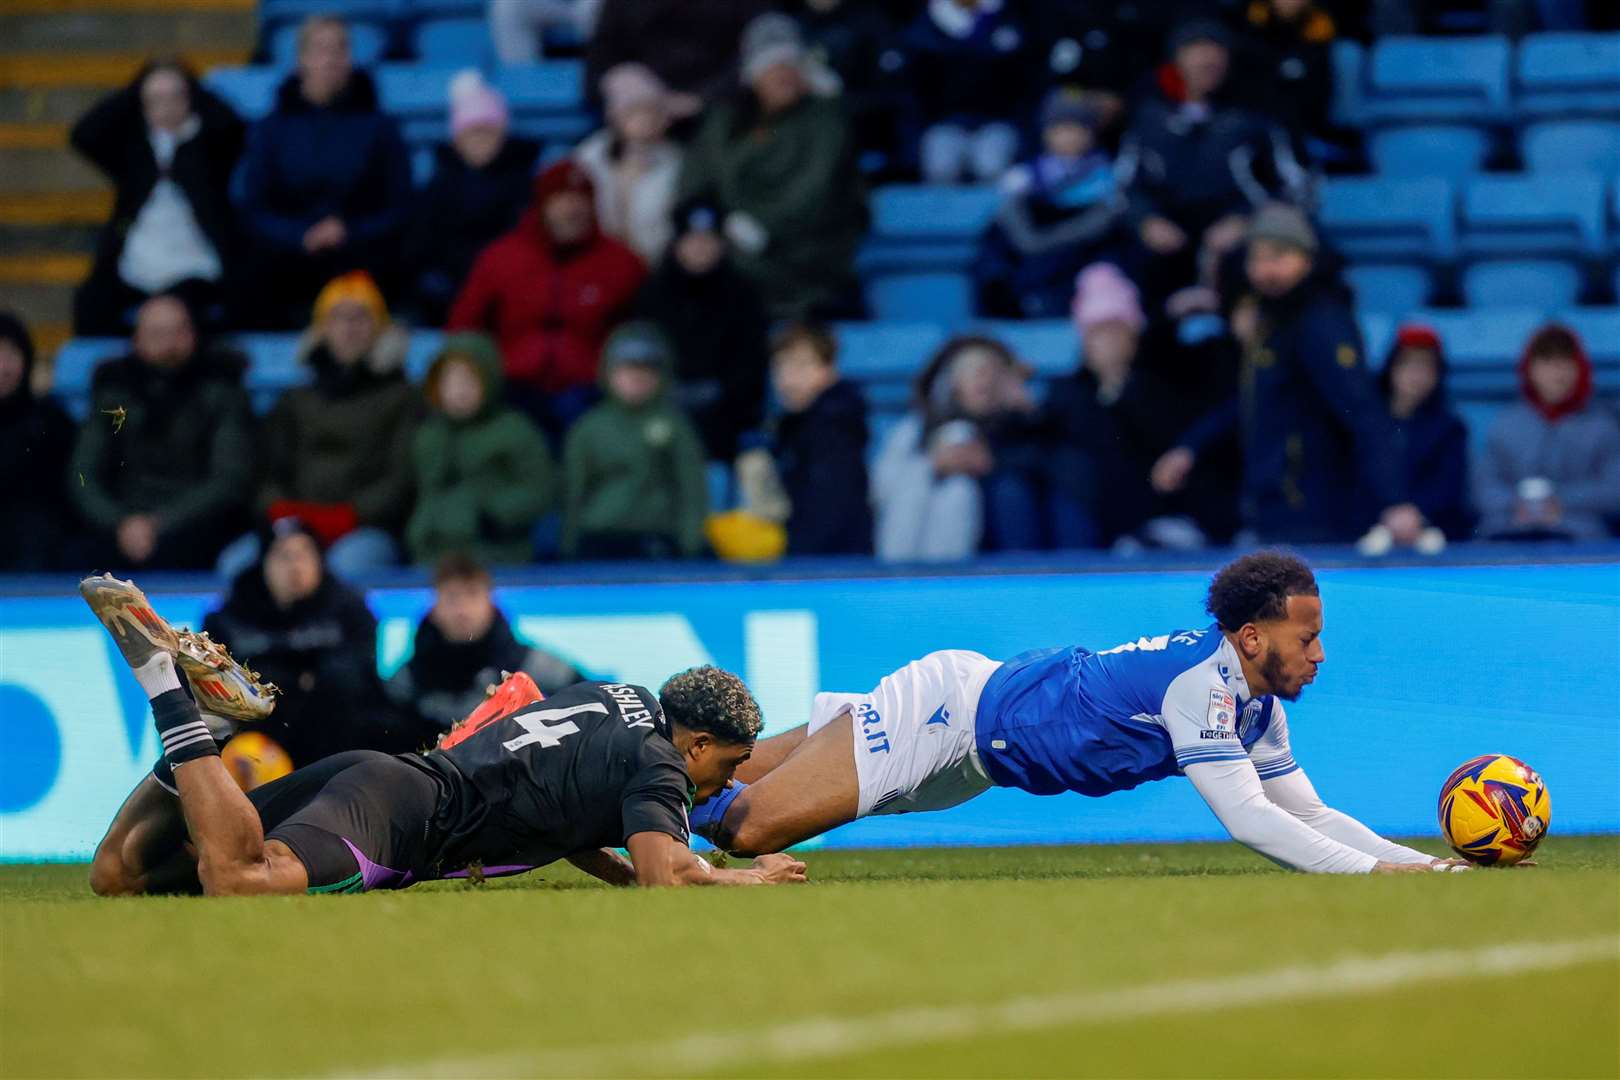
x=710, y=763
x=1293, y=648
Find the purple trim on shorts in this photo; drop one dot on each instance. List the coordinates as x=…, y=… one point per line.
x=375, y=875
x=492, y=871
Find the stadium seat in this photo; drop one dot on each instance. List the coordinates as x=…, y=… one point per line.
x=924, y=227
x=1542, y=283
x=1483, y=346
x=942, y=297
x=1450, y=150
x=1050, y=346
x=1349, y=79
x=438, y=9
x=1425, y=78
x=76, y=362
x=1384, y=218
x=419, y=354
x=1599, y=329
x=454, y=41
x=1561, y=73
x=414, y=90
x=275, y=12
x=1561, y=146
x=550, y=87
x=1533, y=215
x=367, y=44
x=251, y=91
x=886, y=351
x=1392, y=289
x=1377, y=333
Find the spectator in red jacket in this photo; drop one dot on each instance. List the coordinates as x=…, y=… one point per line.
x=550, y=291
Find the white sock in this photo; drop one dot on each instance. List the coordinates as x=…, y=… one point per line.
x=157, y=675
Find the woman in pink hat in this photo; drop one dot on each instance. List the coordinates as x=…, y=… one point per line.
x=633, y=161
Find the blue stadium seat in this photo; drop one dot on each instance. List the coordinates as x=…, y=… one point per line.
x=870, y=352
x=1377, y=333
x=251, y=91
x=436, y=9
x=1392, y=289
x=76, y=362
x=1379, y=218
x=1542, y=283
x=1425, y=78
x=1561, y=146
x=552, y=86
x=454, y=41
x=923, y=227
x=276, y=12
x=1560, y=74
x=1349, y=83
x=943, y=298
x=1533, y=215
x=420, y=353
x=1449, y=150
x=367, y=43
x=409, y=90
x=1483, y=345
x=1050, y=346
x=1599, y=329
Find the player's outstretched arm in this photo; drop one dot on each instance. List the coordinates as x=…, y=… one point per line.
x=1232, y=790
x=660, y=859
x=607, y=865
x=1294, y=792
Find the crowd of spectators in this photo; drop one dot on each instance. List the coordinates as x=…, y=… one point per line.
x=611, y=309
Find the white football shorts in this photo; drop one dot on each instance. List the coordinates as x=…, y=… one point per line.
x=914, y=733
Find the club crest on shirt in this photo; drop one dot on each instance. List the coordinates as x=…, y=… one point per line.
x=1222, y=715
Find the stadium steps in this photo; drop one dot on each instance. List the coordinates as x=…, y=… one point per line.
x=57, y=59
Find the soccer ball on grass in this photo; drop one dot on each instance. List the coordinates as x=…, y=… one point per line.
x=1494, y=810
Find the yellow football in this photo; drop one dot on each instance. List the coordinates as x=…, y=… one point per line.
x=1494, y=810
x=254, y=758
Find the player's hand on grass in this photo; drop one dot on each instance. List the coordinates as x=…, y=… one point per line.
x=779, y=870
x=1401, y=868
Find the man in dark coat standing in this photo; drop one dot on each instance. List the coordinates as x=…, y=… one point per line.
x=1318, y=444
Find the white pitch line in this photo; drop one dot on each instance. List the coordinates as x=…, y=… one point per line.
x=834, y=1036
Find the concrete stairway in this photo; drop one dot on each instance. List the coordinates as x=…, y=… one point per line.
x=57, y=58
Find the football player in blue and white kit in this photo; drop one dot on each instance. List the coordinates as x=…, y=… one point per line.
x=1204, y=703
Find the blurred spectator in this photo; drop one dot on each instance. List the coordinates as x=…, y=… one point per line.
x=484, y=474
x=1193, y=164
x=1315, y=435
x=517, y=27
x=820, y=446
x=480, y=184
x=1059, y=213
x=966, y=464
x=325, y=186
x=781, y=160
x=967, y=63
x=549, y=291
x=690, y=44
x=338, y=452
x=716, y=323
x=853, y=41
x=168, y=146
x=1107, y=419
x=463, y=647
x=1434, y=442
x=1551, y=466
x=293, y=622
x=1287, y=55
x=36, y=440
x=633, y=478
x=633, y=162
x=163, y=463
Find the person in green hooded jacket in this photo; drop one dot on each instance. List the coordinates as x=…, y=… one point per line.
x=484, y=475
x=633, y=479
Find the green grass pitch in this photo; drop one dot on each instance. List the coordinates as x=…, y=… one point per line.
x=1081, y=961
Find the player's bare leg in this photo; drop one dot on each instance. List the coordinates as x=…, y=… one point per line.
x=815, y=789
x=770, y=753
x=232, y=855
x=144, y=850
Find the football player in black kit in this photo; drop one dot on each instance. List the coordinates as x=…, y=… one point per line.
x=594, y=767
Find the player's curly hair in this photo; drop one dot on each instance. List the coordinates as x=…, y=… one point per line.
x=709, y=699
x=1256, y=587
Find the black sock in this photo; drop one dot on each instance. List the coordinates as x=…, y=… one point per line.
x=181, y=729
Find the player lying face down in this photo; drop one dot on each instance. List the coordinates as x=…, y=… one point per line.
x=596, y=766
x=1204, y=703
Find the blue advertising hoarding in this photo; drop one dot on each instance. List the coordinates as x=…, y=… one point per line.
x=1426, y=666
